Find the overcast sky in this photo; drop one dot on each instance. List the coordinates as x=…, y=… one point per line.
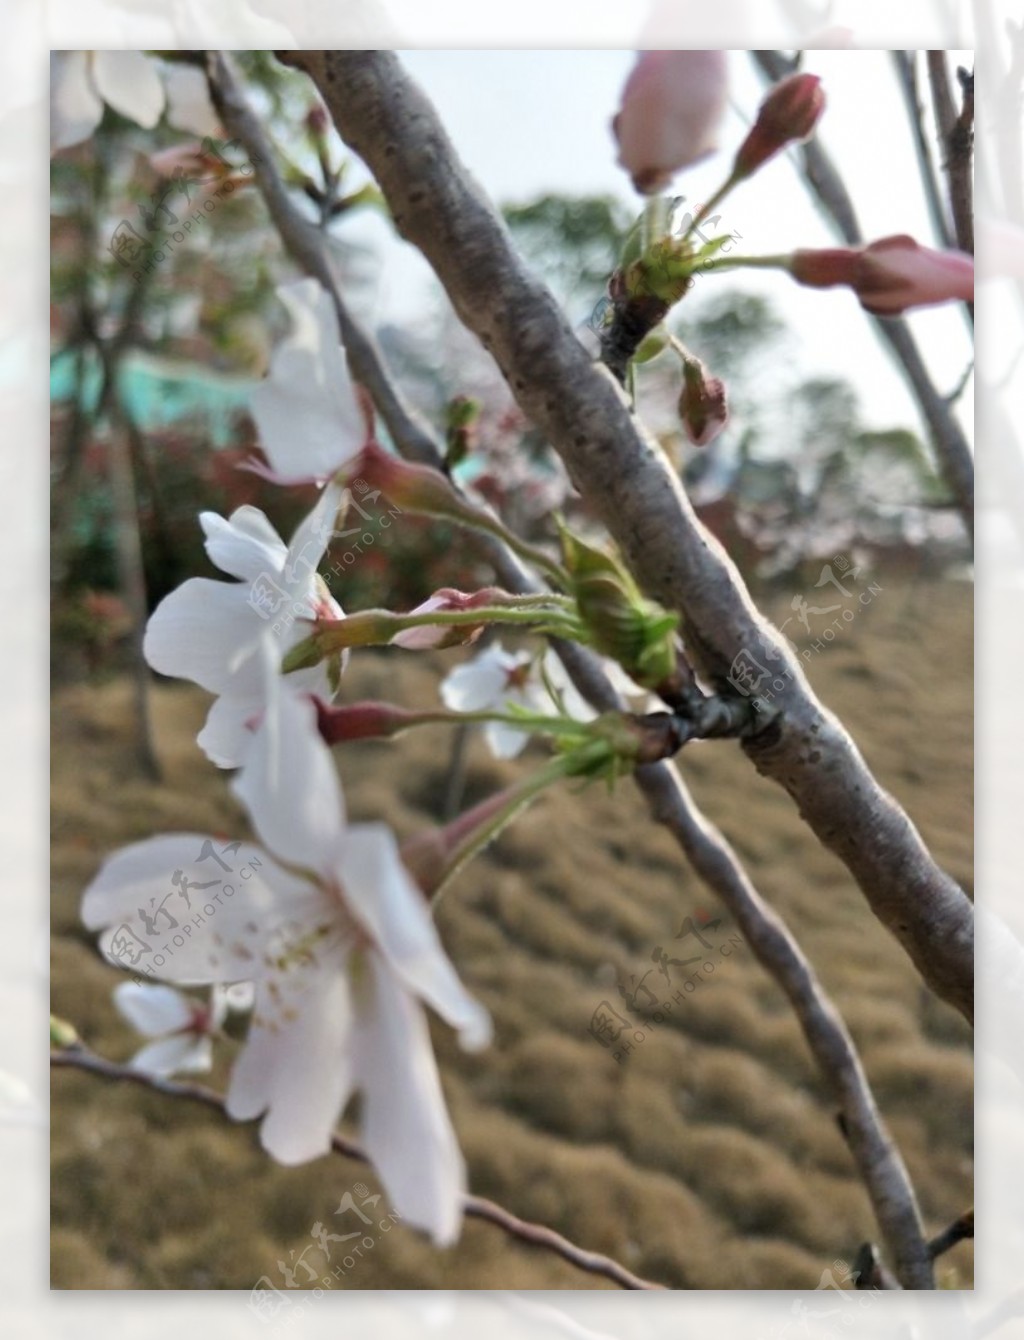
x=527, y=122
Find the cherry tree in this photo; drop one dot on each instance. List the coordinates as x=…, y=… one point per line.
x=640, y=637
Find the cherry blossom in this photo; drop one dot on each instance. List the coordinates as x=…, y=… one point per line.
x=307, y=415
x=497, y=679
x=672, y=106
x=343, y=953
x=205, y=630
x=182, y=1027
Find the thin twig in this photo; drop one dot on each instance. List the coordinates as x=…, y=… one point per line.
x=874, y=1153
x=960, y=1230
x=827, y=187
x=906, y=73
x=79, y=1057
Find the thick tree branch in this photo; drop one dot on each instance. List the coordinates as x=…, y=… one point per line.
x=670, y=803
x=826, y=185
x=625, y=477
x=79, y=1057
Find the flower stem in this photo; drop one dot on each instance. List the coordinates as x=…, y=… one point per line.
x=501, y=810
x=709, y=205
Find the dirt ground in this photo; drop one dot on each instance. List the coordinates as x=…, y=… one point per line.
x=706, y=1158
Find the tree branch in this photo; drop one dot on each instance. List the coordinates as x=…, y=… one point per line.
x=79, y=1057
x=906, y=73
x=671, y=804
x=626, y=479
x=826, y=185
x=956, y=135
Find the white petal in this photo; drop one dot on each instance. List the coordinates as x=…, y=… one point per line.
x=481, y=682
x=405, y=1125
x=296, y=1063
x=572, y=700
x=306, y=412
x=289, y=785
x=182, y=1054
x=227, y=734
x=505, y=741
x=244, y=544
x=307, y=547
x=76, y=109
x=188, y=101
x=130, y=82
x=197, y=632
x=153, y=1011
x=382, y=896
x=230, y=931
x=422, y=639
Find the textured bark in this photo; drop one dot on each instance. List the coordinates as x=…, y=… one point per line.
x=626, y=479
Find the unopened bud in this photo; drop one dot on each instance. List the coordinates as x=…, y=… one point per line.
x=429, y=636
x=788, y=115
x=890, y=275
x=620, y=621
x=672, y=107
x=702, y=403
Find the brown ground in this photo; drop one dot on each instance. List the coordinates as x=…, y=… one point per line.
x=708, y=1158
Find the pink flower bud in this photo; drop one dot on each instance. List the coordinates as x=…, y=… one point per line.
x=672, y=106
x=702, y=404
x=788, y=115
x=890, y=275
x=437, y=635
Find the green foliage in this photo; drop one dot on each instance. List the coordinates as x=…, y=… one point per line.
x=574, y=241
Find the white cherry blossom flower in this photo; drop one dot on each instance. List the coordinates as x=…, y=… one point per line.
x=343, y=953
x=206, y=630
x=497, y=679
x=182, y=1027
x=307, y=416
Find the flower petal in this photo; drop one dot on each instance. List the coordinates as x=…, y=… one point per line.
x=198, y=630
x=481, y=682
x=76, y=109
x=228, y=732
x=183, y=1054
x=505, y=741
x=308, y=545
x=382, y=896
x=130, y=82
x=188, y=101
x=289, y=785
x=296, y=1063
x=306, y=413
x=405, y=1125
x=152, y=1011
x=244, y=544
x=232, y=930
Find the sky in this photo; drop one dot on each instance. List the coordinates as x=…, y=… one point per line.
x=527, y=122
